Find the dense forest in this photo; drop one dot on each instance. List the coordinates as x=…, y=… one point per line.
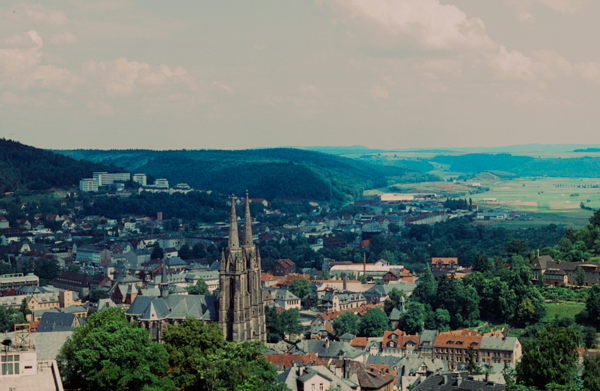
x=284, y=173
x=25, y=167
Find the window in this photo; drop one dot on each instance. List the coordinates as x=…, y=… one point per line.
x=10, y=364
x=321, y=387
x=312, y=387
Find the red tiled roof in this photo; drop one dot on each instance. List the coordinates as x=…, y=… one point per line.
x=288, y=359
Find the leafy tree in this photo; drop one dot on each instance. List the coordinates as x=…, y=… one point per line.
x=47, y=270
x=550, y=357
x=274, y=326
x=185, y=252
x=157, y=251
x=438, y=320
x=346, y=323
x=516, y=246
x=200, y=288
x=110, y=353
x=198, y=251
x=595, y=219
x=498, y=300
x=96, y=295
x=580, y=276
x=74, y=268
x=301, y=288
x=393, y=301
x=394, y=228
x=373, y=323
x=591, y=373
x=481, y=263
x=9, y=317
x=290, y=321
x=411, y=321
x=591, y=312
x=200, y=359
x=24, y=308
x=590, y=337
x=425, y=291
x=472, y=366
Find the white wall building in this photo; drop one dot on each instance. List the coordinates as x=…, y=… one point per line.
x=88, y=184
x=140, y=178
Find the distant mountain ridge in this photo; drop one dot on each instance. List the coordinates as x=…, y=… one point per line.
x=26, y=167
x=284, y=173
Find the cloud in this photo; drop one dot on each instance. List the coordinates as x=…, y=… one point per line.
x=120, y=77
x=431, y=24
x=590, y=71
x=63, y=38
x=37, y=14
x=24, y=39
x=379, y=92
x=522, y=7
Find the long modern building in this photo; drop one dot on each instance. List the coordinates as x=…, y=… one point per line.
x=105, y=178
x=17, y=280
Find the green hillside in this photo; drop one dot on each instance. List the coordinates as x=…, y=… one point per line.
x=25, y=167
x=285, y=173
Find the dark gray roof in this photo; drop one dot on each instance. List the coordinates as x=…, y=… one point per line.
x=456, y=381
x=395, y=314
x=56, y=322
x=498, y=343
x=174, y=307
x=334, y=350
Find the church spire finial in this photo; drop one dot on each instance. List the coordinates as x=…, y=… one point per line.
x=247, y=223
x=234, y=240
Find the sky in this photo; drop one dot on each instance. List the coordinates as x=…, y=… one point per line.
x=196, y=74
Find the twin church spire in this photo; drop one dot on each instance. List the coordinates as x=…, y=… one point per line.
x=234, y=240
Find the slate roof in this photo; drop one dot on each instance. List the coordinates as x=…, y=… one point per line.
x=174, y=307
x=72, y=279
x=285, y=295
x=455, y=381
x=334, y=350
x=368, y=378
x=56, y=322
x=498, y=343
x=291, y=379
x=395, y=314
x=47, y=345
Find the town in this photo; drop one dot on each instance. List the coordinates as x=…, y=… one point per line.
x=363, y=321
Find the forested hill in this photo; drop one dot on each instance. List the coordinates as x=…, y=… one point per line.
x=284, y=173
x=26, y=167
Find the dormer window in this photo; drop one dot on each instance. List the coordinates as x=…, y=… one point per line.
x=459, y=342
x=451, y=342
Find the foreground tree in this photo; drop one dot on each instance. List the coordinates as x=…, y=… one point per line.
x=110, y=353
x=200, y=359
x=550, y=357
x=393, y=301
x=412, y=320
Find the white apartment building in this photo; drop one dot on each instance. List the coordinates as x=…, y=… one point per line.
x=88, y=184
x=161, y=183
x=105, y=178
x=140, y=178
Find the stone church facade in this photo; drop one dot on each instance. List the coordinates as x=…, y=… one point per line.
x=240, y=305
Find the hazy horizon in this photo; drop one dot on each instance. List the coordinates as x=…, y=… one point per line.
x=384, y=74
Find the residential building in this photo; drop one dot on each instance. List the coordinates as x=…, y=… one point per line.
x=51, y=322
x=161, y=183
x=440, y=266
x=500, y=350
x=313, y=378
x=334, y=301
x=88, y=184
x=104, y=178
x=76, y=282
x=171, y=239
x=286, y=299
x=560, y=272
x=452, y=381
x=4, y=223
x=140, y=178
x=283, y=267
x=17, y=280
x=21, y=369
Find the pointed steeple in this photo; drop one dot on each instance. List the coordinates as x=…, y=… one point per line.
x=247, y=224
x=234, y=240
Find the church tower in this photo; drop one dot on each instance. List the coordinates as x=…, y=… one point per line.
x=240, y=303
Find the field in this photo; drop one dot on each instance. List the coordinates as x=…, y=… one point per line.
x=565, y=309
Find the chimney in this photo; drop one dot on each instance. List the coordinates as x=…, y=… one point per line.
x=345, y=282
x=346, y=368
x=487, y=377
x=327, y=343
x=365, y=264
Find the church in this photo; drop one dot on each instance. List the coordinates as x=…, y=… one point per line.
x=238, y=309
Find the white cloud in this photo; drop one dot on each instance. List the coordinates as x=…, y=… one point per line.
x=38, y=14
x=522, y=7
x=590, y=71
x=379, y=92
x=63, y=38
x=120, y=77
x=431, y=24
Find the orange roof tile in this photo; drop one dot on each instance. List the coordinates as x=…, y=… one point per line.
x=287, y=359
